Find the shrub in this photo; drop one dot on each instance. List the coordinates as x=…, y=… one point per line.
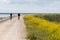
x=49, y=17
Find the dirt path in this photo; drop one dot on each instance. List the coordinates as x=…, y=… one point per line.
x=13, y=29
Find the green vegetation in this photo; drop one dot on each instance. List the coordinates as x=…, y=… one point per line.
x=40, y=29
x=49, y=17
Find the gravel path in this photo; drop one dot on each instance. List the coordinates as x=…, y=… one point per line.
x=13, y=29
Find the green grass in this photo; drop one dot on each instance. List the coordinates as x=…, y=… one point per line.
x=49, y=17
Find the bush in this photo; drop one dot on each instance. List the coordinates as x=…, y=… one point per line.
x=49, y=17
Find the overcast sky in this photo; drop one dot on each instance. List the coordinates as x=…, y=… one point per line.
x=29, y=6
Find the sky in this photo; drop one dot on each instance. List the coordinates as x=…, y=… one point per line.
x=29, y=6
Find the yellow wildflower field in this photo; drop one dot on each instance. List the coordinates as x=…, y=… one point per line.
x=41, y=29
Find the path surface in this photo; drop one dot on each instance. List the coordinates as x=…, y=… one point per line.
x=13, y=29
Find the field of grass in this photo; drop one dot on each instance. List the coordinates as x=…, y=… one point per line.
x=40, y=27
x=49, y=17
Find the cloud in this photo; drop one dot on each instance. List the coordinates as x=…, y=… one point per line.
x=4, y=1
x=24, y=0
x=29, y=6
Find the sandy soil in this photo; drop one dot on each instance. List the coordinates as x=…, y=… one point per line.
x=13, y=29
